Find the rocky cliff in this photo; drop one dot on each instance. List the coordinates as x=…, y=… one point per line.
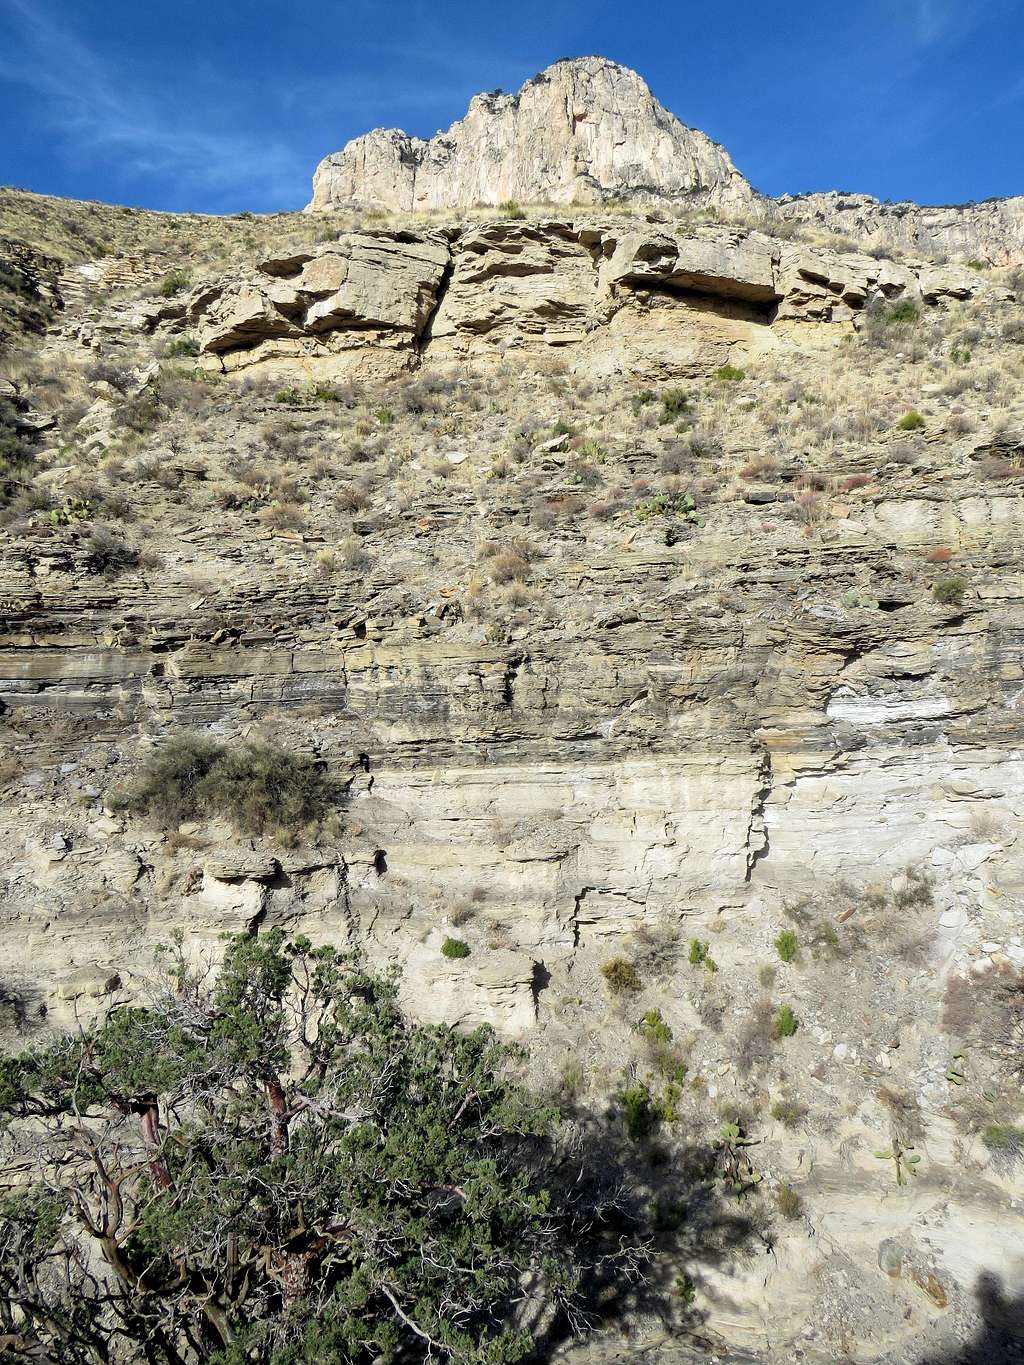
x=652, y=591
x=579, y=132
x=587, y=130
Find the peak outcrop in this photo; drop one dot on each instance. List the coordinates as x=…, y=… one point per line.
x=582, y=131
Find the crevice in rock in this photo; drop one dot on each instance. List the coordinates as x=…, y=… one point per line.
x=757, y=827
x=426, y=332
x=509, y=681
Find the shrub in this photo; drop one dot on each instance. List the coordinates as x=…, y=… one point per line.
x=107, y=553
x=455, y=947
x=289, y=396
x=730, y=374
x=917, y=890
x=141, y=412
x=184, y=345
x=675, y=403
x=700, y=955
x=174, y=282
x=621, y=976
x=911, y=421
x=1004, y=1139
x=788, y=1202
x=654, y=1028
x=511, y=208
x=784, y=1022
x=949, y=592
x=788, y=1112
x=255, y=785
x=787, y=945
x=637, y=1111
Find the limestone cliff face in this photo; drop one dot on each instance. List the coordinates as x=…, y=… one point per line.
x=992, y=230
x=581, y=131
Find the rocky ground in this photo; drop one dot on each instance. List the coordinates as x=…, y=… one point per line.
x=654, y=588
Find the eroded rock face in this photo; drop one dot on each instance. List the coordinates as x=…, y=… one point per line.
x=579, y=132
x=617, y=298
x=992, y=230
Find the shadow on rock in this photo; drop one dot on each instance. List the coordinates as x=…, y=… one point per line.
x=1000, y=1339
x=654, y=1219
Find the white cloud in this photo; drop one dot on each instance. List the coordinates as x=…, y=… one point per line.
x=100, y=115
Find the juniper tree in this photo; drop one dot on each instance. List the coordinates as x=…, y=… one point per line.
x=272, y=1163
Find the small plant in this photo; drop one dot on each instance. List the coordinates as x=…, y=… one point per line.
x=788, y=1112
x=664, y=504
x=637, y=1111
x=685, y=1290
x=385, y=416
x=641, y=399
x=511, y=208
x=654, y=1028
x=917, y=890
x=730, y=374
x=675, y=403
x=905, y=1160
x=911, y=421
x=700, y=955
x=70, y=511
x=949, y=592
x=289, y=396
x=766, y=974
x=784, y=1022
x=184, y=345
x=787, y=945
x=1004, y=1139
x=621, y=976
x=454, y=947
x=788, y=1202
x=735, y=1166
x=173, y=283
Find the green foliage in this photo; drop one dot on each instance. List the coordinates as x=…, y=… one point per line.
x=977, y=265
x=905, y=1160
x=730, y=374
x=901, y=314
x=455, y=947
x=289, y=396
x=911, y=420
x=1006, y=1139
x=277, y=1167
x=259, y=787
x=686, y=1290
x=784, y=1022
x=788, y=1112
x=949, y=592
x=787, y=945
x=700, y=955
x=621, y=976
x=385, y=416
x=917, y=891
x=654, y=1028
x=510, y=209
x=70, y=511
x=638, y=1112
x=174, y=282
x=675, y=403
x=666, y=504
x=643, y=398
x=563, y=428
x=183, y=345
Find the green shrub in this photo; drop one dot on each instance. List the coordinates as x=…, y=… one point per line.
x=511, y=209
x=174, y=282
x=289, y=396
x=385, y=416
x=257, y=786
x=784, y=1022
x=664, y=504
x=788, y=1202
x=1006, y=1139
x=787, y=945
x=71, y=511
x=641, y=399
x=621, y=976
x=637, y=1111
x=898, y=314
x=700, y=955
x=949, y=592
x=184, y=345
x=911, y=421
x=730, y=374
x=917, y=892
x=788, y=1112
x=654, y=1028
x=675, y=403
x=455, y=947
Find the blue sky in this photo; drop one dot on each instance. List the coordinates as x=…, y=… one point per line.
x=222, y=105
